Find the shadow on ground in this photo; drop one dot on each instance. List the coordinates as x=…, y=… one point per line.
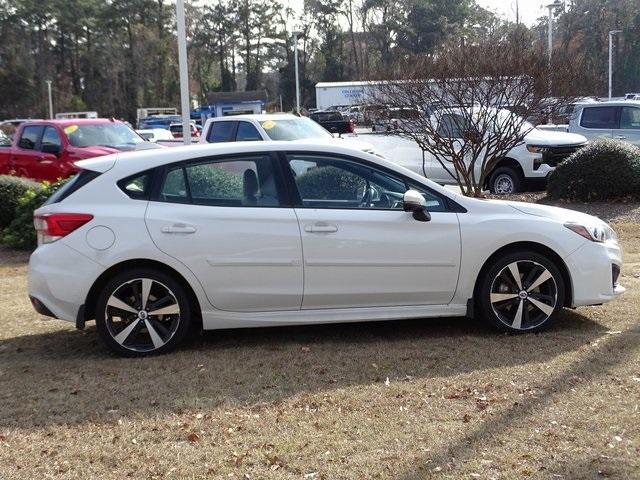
x=67, y=376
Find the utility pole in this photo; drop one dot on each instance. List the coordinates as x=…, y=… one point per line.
x=51, y=99
x=295, y=50
x=185, y=107
x=611, y=34
x=551, y=7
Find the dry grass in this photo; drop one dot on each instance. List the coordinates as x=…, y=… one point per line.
x=315, y=402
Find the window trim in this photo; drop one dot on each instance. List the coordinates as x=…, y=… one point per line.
x=281, y=187
x=618, y=111
x=450, y=205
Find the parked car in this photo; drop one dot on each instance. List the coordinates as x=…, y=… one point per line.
x=616, y=119
x=154, y=135
x=279, y=233
x=528, y=163
x=270, y=127
x=333, y=121
x=48, y=149
x=158, y=121
x=392, y=118
x=176, y=130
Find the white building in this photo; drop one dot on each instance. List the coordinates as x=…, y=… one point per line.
x=341, y=93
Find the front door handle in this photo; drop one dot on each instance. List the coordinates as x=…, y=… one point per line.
x=321, y=228
x=179, y=228
x=621, y=137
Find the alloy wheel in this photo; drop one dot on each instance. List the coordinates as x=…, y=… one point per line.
x=523, y=295
x=142, y=315
x=503, y=184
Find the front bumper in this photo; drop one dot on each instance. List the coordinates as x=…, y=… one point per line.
x=592, y=268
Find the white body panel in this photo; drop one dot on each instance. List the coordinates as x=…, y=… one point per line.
x=260, y=266
x=626, y=129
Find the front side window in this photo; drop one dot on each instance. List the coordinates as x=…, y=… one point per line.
x=220, y=132
x=51, y=138
x=452, y=126
x=599, y=117
x=247, y=133
x=630, y=118
x=326, y=182
x=238, y=182
x=29, y=137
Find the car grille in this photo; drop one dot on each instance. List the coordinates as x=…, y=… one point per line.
x=553, y=156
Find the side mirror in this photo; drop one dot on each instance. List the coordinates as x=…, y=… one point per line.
x=414, y=202
x=52, y=149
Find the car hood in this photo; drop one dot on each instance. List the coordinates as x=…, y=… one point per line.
x=555, y=213
x=550, y=138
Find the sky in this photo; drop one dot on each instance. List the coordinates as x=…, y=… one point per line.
x=530, y=10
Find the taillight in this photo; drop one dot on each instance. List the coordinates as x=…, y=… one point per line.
x=53, y=226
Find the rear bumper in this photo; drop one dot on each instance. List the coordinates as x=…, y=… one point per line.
x=592, y=269
x=59, y=279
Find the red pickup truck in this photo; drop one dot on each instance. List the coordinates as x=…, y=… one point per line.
x=47, y=149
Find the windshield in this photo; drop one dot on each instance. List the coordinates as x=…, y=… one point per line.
x=103, y=134
x=294, y=129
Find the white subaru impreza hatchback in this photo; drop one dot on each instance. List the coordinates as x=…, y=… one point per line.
x=255, y=234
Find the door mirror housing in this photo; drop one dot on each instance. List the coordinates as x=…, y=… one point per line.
x=414, y=202
x=52, y=149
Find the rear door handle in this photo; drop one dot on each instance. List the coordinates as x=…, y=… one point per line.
x=621, y=137
x=179, y=228
x=321, y=228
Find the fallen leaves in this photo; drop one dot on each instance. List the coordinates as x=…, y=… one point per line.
x=193, y=437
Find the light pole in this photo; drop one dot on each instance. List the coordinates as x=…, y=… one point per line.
x=551, y=7
x=184, y=73
x=295, y=54
x=50, y=99
x=611, y=34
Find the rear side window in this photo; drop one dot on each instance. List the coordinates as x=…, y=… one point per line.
x=137, y=186
x=220, y=132
x=73, y=185
x=29, y=137
x=599, y=117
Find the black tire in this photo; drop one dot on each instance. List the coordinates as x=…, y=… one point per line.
x=149, y=334
x=505, y=180
x=512, y=312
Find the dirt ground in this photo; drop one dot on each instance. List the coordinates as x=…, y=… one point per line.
x=442, y=398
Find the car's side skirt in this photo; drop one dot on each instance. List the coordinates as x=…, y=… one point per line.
x=213, y=320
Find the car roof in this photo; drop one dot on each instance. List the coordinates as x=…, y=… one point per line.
x=74, y=121
x=260, y=117
x=611, y=103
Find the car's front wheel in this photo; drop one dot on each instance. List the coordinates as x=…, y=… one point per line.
x=504, y=181
x=142, y=312
x=521, y=292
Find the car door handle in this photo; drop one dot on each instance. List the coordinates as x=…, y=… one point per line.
x=321, y=228
x=621, y=137
x=179, y=228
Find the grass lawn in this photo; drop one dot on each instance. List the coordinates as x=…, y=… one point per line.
x=437, y=399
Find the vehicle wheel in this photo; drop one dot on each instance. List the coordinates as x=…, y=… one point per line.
x=521, y=292
x=504, y=180
x=143, y=312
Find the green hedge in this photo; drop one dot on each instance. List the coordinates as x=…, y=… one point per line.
x=11, y=189
x=20, y=234
x=604, y=170
x=330, y=183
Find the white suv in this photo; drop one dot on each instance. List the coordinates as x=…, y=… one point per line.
x=275, y=233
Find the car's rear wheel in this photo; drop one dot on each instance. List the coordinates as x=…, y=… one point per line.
x=504, y=181
x=521, y=292
x=142, y=312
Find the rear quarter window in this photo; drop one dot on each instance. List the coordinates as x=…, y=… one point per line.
x=138, y=186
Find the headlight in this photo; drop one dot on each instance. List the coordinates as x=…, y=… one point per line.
x=595, y=233
x=537, y=149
